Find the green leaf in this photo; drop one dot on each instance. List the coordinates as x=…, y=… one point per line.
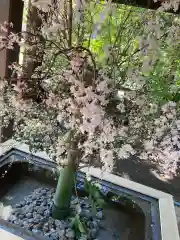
x=82, y=227
x=79, y=225
x=94, y=207
x=101, y=202
x=86, y=185
x=96, y=193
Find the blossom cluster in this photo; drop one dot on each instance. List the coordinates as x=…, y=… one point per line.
x=108, y=123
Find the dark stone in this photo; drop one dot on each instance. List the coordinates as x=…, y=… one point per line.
x=45, y=229
x=34, y=198
x=29, y=215
x=93, y=233
x=44, y=203
x=41, y=210
x=12, y=218
x=49, y=204
x=22, y=203
x=38, y=203
x=47, y=234
x=21, y=216
x=65, y=224
x=58, y=223
x=30, y=209
x=52, y=190
x=37, y=226
x=37, y=231
x=18, y=205
x=31, y=220
x=93, y=224
x=47, y=213
x=35, y=221
x=70, y=233
x=43, y=192
x=44, y=219
x=99, y=215
x=61, y=233
x=17, y=222
x=28, y=202
x=85, y=205
x=54, y=235
x=86, y=213
x=26, y=225
x=37, y=216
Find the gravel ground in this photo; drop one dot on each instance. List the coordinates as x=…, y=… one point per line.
x=114, y=226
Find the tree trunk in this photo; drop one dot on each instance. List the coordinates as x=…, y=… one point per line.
x=64, y=189
x=32, y=56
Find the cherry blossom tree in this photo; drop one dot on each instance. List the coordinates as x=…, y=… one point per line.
x=78, y=109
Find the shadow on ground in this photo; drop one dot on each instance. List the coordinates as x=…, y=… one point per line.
x=141, y=172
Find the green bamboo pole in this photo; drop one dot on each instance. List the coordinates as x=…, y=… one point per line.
x=62, y=198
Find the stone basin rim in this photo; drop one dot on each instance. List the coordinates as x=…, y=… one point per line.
x=168, y=222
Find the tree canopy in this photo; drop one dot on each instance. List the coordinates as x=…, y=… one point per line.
x=103, y=78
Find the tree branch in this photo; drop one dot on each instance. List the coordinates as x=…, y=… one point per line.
x=70, y=19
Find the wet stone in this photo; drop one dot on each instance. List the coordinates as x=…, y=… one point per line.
x=47, y=213
x=38, y=203
x=70, y=233
x=36, y=231
x=45, y=229
x=18, y=205
x=12, y=218
x=37, y=216
x=86, y=213
x=93, y=224
x=74, y=201
x=43, y=192
x=58, y=223
x=47, y=234
x=30, y=209
x=41, y=210
x=34, y=213
x=22, y=203
x=93, y=233
x=26, y=225
x=35, y=221
x=34, y=198
x=44, y=203
x=61, y=233
x=31, y=220
x=21, y=216
x=54, y=235
x=99, y=215
x=29, y=215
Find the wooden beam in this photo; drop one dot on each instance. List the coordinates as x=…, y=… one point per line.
x=149, y=4
x=4, y=16
x=10, y=11
x=15, y=16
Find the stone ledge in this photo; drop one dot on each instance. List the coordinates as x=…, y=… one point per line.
x=10, y=231
x=11, y=144
x=169, y=228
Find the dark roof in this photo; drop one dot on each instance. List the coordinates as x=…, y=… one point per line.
x=150, y=4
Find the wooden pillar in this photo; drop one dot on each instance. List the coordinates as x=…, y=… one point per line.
x=10, y=11
x=4, y=16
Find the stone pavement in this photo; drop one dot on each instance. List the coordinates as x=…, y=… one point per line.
x=177, y=210
x=8, y=236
